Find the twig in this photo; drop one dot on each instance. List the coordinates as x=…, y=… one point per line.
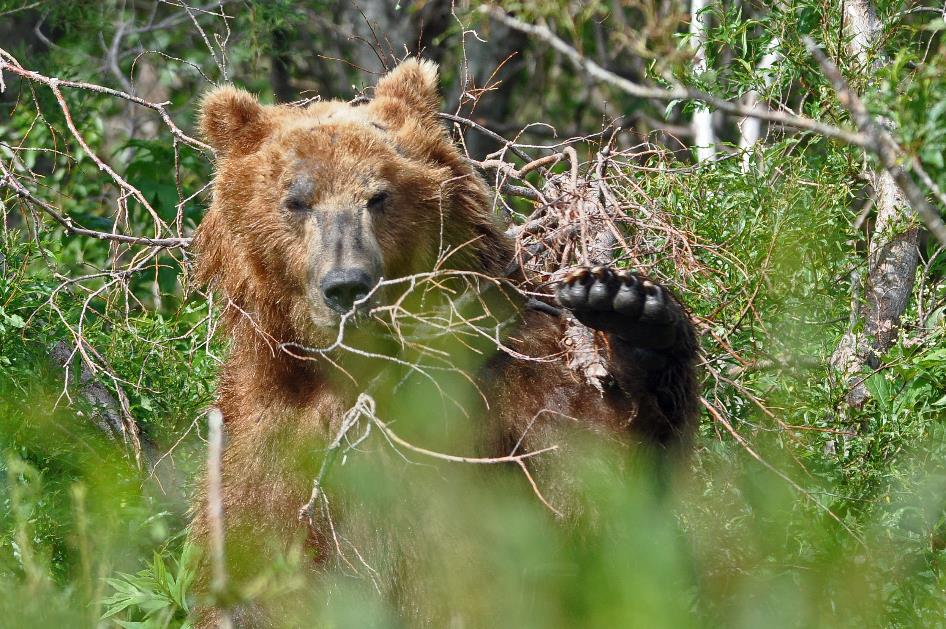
x=512, y=458
x=351, y=417
x=365, y=408
x=487, y=132
x=9, y=181
x=9, y=63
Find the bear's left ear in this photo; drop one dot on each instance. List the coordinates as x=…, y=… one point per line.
x=232, y=120
x=414, y=82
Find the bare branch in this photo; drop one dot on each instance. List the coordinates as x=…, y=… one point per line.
x=9, y=63
x=9, y=181
x=678, y=93
x=365, y=408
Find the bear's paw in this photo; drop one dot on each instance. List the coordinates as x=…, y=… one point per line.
x=625, y=304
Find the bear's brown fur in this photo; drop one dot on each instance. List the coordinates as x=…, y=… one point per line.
x=297, y=194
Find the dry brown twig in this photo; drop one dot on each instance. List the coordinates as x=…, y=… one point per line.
x=8, y=63
x=8, y=180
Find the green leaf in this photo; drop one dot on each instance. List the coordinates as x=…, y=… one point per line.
x=669, y=108
x=15, y=321
x=878, y=387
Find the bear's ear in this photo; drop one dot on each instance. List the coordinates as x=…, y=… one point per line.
x=414, y=82
x=232, y=120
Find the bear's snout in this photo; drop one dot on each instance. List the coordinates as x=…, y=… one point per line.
x=341, y=288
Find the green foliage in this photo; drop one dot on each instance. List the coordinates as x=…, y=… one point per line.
x=75, y=497
x=158, y=592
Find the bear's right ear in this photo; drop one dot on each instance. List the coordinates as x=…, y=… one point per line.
x=413, y=82
x=232, y=120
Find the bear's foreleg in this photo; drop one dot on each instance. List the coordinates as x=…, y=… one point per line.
x=652, y=346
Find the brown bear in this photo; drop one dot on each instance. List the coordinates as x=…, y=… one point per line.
x=313, y=207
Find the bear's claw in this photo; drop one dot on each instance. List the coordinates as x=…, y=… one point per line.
x=622, y=303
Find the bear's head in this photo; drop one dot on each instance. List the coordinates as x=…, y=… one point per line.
x=313, y=206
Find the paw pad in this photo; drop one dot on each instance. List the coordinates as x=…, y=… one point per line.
x=617, y=301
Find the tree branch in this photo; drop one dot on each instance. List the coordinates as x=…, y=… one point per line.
x=678, y=93
x=9, y=63
x=9, y=181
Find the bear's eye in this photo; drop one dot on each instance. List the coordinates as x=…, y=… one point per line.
x=376, y=203
x=295, y=204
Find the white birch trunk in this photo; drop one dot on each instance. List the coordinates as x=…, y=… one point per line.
x=750, y=129
x=703, y=135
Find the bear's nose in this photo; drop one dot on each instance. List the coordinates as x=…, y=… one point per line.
x=341, y=288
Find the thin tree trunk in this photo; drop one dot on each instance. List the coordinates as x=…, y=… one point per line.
x=750, y=129
x=703, y=135
x=892, y=253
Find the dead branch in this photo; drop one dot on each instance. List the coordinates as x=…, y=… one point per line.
x=487, y=132
x=10, y=182
x=9, y=63
x=349, y=419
